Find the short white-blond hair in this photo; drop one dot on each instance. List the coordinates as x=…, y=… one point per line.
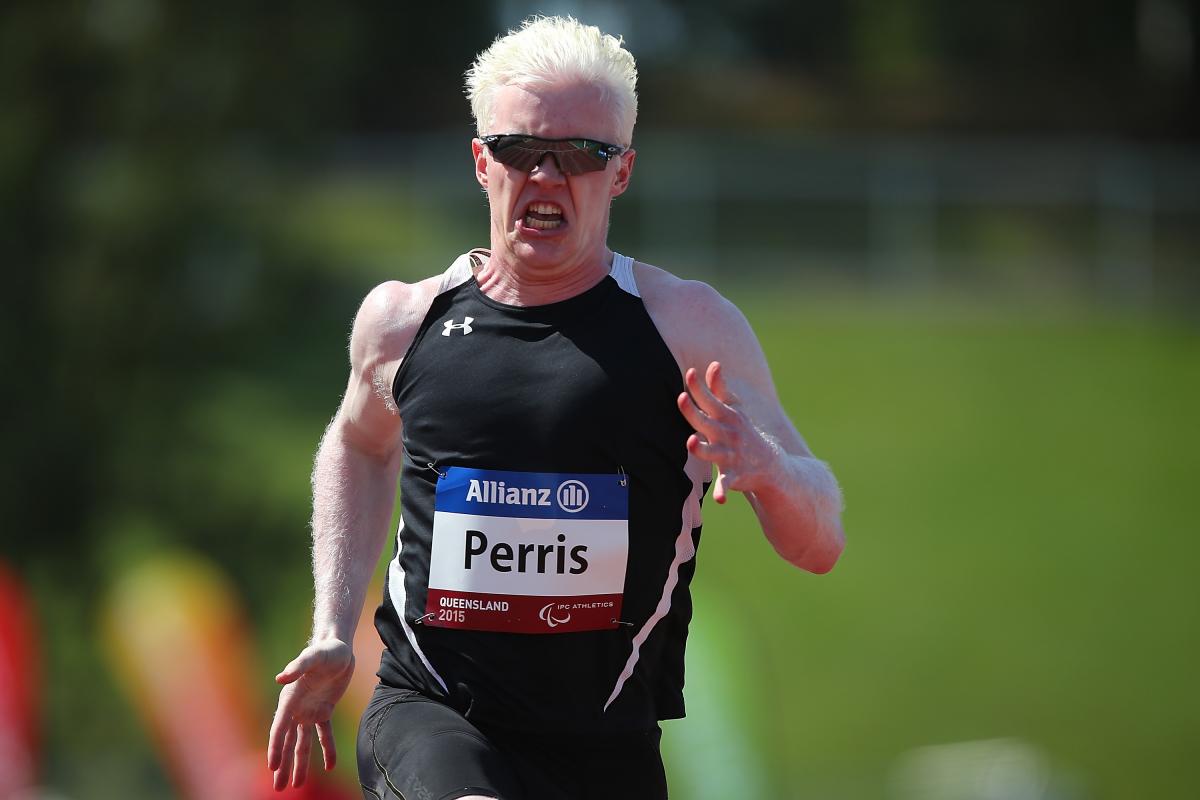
x=549, y=50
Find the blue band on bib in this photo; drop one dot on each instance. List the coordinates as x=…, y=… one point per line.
x=537, y=495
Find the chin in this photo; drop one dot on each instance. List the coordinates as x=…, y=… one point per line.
x=540, y=252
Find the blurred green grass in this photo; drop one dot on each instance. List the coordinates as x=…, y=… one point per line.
x=1020, y=550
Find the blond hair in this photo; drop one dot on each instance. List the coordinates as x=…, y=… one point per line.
x=549, y=50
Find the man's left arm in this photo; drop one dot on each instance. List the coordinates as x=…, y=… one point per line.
x=743, y=430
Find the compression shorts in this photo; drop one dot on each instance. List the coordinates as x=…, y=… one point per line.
x=413, y=748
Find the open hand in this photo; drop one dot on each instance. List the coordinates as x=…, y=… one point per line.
x=725, y=435
x=313, y=683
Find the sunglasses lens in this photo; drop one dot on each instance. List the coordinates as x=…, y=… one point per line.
x=583, y=156
x=574, y=156
x=517, y=155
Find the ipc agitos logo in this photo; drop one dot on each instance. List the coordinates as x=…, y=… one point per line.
x=547, y=616
x=572, y=496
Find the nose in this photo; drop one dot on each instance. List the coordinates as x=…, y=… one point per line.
x=547, y=170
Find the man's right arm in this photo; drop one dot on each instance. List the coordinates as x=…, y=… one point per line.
x=354, y=476
x=354, y=485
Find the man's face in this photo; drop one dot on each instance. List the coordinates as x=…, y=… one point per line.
x=544, y=219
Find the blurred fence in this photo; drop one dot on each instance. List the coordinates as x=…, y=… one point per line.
x=1108, y=219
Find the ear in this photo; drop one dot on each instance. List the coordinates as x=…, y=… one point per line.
x=624, y=172
x=479, y=153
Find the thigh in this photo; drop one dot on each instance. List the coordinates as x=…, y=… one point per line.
x=413, y=748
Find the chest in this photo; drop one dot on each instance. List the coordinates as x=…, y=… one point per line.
x=520, y=384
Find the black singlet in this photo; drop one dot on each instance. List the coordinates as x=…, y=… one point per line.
x=550, y=512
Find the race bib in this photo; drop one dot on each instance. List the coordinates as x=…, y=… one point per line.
x=527, y=552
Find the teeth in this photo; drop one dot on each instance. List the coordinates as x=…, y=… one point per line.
x=543, y=216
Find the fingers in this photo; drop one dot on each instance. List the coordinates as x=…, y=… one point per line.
x=719, y=492
x=314, y=681
x=723, y=431
x=296, y=752
x=698, y=446
x=714, y=454
x=290, y=749
x=275, y=742
x=328, y=749
x=284, y=770
x=694, y=416
x=303, y=751
x=701, y=394
x=714, y=376
x=705, y=403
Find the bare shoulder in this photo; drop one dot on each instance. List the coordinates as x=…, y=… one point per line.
x=388, y=319
x=695, y=320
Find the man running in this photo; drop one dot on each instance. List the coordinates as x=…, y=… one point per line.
x=554, y=411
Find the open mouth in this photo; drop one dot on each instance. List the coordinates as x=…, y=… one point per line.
x=543, y=216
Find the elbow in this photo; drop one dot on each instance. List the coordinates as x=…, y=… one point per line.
x=821, y=558
x=822, y=565
x=383, y=449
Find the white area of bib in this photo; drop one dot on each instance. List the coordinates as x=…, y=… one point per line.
x=606, y=554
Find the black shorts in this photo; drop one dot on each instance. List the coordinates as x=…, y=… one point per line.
x=413, y=748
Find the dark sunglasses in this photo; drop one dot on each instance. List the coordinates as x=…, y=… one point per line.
x=573, y=156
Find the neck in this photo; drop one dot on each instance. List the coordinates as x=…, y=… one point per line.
x=508, y=281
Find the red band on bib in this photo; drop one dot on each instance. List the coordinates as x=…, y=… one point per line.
x=521, y=613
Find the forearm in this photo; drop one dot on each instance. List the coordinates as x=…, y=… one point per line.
x=800, y=512
x=353, y=497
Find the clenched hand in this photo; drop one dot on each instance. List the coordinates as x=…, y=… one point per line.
x=725, y=435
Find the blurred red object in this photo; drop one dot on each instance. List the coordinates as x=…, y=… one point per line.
x=181, y=646
x=19, y=688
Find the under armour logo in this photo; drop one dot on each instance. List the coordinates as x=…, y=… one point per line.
x=465, y=327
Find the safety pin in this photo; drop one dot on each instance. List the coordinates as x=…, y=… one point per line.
x=620, y=622
x=421, y=619
x=624, y=480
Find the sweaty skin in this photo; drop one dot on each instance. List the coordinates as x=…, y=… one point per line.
x=730, y=399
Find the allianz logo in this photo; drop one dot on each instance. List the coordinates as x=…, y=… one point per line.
x=571, y=495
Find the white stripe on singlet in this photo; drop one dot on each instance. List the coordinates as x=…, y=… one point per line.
x=399, y=600
x=457, y=273
x=622, y=272
x=685, y=550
